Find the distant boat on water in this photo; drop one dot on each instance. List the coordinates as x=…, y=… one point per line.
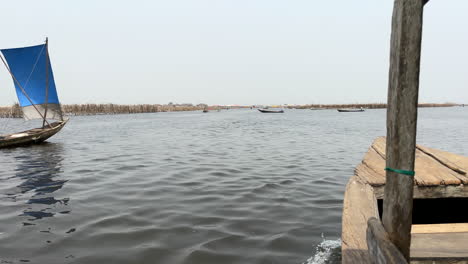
x=32, y=75
x=351, y=110
x=271, y=110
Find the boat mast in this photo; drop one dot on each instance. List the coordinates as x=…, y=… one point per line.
x=22, y=89
x=402, y=111
x=47, y=80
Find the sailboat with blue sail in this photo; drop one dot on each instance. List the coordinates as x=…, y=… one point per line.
x=32, y=75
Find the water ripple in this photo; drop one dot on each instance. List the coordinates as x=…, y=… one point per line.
x=236, y=186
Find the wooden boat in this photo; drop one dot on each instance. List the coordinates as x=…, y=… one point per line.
x=271, y=110
x=439, y=230
x=32, y=136
x=414, y=211
x=351, y=110
x=33, y=78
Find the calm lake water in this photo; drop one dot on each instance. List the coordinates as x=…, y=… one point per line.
x=235, y=186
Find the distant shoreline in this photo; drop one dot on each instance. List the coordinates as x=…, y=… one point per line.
x=367, y=106
x=14, y=111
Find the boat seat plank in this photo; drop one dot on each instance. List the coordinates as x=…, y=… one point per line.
x=439, y=228
x=439, y=245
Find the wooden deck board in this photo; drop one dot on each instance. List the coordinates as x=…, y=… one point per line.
x=455, y=162
x=432, y=167
x=369, y=176
x=439, y=245
x=430, y=172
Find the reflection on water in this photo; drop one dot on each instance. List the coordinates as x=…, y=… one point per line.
x=38, y=170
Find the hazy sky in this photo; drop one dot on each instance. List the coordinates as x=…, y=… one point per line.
x=232, y=51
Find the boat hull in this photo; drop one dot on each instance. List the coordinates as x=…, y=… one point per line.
x=32, y=136
x=350, y=110
x=271, y=111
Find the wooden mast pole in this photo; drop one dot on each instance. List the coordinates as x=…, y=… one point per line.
x=405, y=53
x=47, y=80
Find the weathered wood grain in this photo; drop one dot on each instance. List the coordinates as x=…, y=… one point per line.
x=441, y=191
x=430, y=172
x=453, y=161
x=370, y=176
x=439, y=261
x=440, y=228
x=405, y=52
x=439, y=246
x=379, y=145
x=433, y=167
x=381, y=249
x=359, y=205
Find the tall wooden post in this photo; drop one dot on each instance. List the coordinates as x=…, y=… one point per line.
x=405, y=51
x=47, y=80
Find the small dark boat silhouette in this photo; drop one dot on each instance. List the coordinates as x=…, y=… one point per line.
x=351, y=110
x=271, y=111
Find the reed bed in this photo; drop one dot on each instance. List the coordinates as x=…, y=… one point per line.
x=104, y=109
x=11, y=111
x=14, y=111
x=110, y=109
x=366, y=106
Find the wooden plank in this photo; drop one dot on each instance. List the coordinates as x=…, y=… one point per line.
x=358, y=206
x=453, y=161
x=439, y=228
x=430, y=172
x=439, y=261
x=442, y=191
x=402, y=104
x=379, y=145
x=376, y=163
x=381, y=249
x=439, y=246
x=434, y=179
x=447, y=158
x=369, y=176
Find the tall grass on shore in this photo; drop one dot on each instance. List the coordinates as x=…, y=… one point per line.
x=14, y=111
x=105, y=109
x=367, y=106
x=110, y=109
x=11, y=111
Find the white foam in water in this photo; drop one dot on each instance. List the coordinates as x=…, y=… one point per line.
x=324, y=251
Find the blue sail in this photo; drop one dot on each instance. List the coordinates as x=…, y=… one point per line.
x=34, y=81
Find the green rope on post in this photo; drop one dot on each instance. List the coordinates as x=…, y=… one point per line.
x=405, y=172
